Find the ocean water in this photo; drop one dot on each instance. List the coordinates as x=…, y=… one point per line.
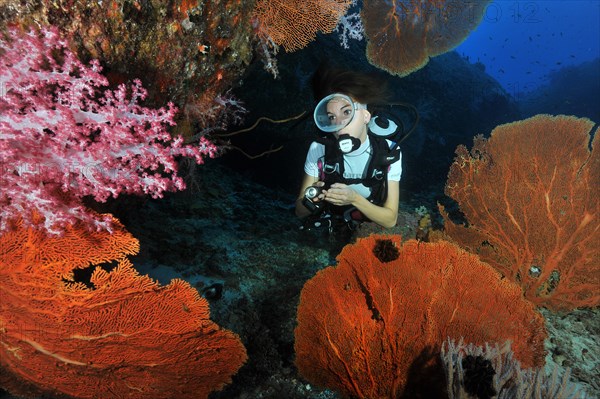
x=522, y=43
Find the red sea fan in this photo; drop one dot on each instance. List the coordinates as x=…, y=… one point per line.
x=531, y=195
x=121, y=335
x=295, y=23
x=367, y=327
x=404, y=34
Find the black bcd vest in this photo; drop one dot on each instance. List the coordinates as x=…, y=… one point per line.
x=375, y=178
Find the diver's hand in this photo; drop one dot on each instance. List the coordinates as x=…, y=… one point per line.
x=340, y=194
x=321, y=196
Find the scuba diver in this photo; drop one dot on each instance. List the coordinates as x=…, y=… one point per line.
x=352, y=171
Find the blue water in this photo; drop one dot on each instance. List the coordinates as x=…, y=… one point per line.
x=522, y=42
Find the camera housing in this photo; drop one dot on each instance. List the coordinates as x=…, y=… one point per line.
x=312, y=192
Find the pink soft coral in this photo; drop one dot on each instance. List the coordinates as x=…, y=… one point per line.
x=65, y=137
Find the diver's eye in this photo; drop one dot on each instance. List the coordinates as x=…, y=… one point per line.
x=331, y=117
x=347, y=112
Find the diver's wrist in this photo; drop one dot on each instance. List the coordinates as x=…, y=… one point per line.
x=356, y=199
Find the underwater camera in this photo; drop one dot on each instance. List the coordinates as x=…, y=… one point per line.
x=310, y=194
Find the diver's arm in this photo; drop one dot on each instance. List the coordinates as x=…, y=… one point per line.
x=307, y=181
x=385, y=215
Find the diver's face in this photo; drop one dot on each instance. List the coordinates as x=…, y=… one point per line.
x=340, y=111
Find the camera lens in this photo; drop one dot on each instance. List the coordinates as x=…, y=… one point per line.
x=312, y=192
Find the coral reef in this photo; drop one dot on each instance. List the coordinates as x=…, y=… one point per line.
x=77, y=320
x=188, y=51
x=530, y=196
x=368, y=328
x=572, y=345
x=295, y=23
x=244, y=235
x=65, y=137
x=491, y=371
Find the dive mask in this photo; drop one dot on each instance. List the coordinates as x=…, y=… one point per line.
x=335, y=112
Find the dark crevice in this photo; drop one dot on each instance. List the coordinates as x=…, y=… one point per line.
x=84, y=275
x=369, y=298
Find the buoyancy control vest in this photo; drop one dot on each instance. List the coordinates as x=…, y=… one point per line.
x=375, y=177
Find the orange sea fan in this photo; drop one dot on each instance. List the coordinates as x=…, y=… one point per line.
x=117, y=335
x=295, y=23
x=404, y=34
x=370, y=328
x=531, y=195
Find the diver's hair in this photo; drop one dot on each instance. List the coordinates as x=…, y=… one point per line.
x=366, y=88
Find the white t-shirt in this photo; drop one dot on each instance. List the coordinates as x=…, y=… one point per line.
x=355, y=164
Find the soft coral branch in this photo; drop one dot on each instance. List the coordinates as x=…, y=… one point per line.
x=64, y=136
